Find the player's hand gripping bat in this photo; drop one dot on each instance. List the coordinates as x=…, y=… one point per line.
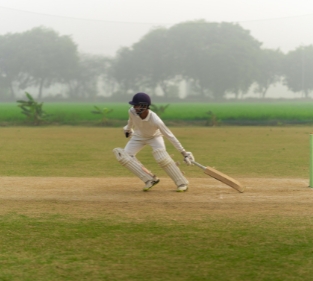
x=221, y=177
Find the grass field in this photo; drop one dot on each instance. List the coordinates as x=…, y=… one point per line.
x=83, y=152
x=69, y=211
x=226, y=113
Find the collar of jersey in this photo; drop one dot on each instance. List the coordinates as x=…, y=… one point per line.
x=148, y=116
x=134, y=112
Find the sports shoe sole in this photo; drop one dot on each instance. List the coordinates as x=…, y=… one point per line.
x=155, y=183
x=182, y=190
x=177, y=190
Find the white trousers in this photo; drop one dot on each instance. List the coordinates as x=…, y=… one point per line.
x=159, y=153
x=135, y=144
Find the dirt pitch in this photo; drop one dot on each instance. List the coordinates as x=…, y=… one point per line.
x=122, y=197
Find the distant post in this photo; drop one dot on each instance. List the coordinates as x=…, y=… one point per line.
x=311, y=160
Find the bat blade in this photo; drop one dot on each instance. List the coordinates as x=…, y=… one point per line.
x=221, y=177
x=224, y=178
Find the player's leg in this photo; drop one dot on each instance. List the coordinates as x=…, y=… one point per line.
x=132, y=148
x=167, y=163
x=127, y=158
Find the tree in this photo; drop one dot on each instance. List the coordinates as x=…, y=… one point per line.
x=146, y=64
x=83, y=80
x=217, y=57
x=124, y=70
x=298, y=70
x=48, y=57
x=154, y=65
x=269, y=70
x=11, y=63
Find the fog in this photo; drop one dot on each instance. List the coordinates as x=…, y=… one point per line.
x=102, y=27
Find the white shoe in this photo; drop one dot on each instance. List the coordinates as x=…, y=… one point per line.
x=151, y=183
x=182, y=188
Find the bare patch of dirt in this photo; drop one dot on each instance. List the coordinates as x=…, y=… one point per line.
x=123, y=197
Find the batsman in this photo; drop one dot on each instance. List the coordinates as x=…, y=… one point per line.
x=145, y=127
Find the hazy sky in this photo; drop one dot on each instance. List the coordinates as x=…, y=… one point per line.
x=103, y=26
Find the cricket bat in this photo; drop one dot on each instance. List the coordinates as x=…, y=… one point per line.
x=221, y=177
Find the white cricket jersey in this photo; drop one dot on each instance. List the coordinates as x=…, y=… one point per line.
x=150, y=127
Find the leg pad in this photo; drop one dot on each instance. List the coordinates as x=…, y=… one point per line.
x=133, y=165
x=168, y=165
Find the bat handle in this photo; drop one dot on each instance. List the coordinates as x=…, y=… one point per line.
x=198, y=164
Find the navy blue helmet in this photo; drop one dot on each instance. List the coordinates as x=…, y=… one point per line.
x=141, y=99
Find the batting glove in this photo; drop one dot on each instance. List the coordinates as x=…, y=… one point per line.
x=188, y=158
x=128, y=133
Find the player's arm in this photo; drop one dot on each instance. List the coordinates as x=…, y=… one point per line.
x=188, y=156
x=128, y=129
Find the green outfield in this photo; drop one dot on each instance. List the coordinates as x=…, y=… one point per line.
x=229, y=113
x=71, y=212
x=83, y=152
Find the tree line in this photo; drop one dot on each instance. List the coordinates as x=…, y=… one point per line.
x=210, y=60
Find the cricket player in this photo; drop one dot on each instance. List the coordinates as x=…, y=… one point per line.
x=146, y=128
